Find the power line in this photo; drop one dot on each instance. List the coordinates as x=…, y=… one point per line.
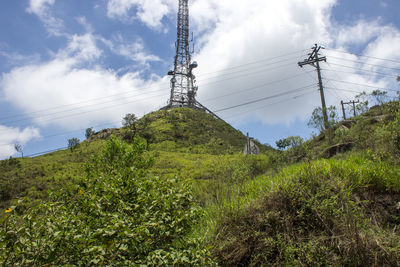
x=264, y=106
x=345, y=52
x=252, y=63
x=253, y=88
x=364, y=63
x=366, y=85
x=70, y=132
x=259, y=70
x=144, y=93
x=329, y=82
x=119, y=104
x=352, y=91
x=380, y=73
x=45, y=152
x=262, y=99
x=149, y=87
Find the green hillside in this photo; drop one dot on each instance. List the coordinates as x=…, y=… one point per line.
x=176, y=190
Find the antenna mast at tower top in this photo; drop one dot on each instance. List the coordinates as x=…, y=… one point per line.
x=183, y=90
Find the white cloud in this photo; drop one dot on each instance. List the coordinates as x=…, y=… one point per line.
x=236, y=32
x=10, y=136
x=134, y=51
x=41, y=8
x=72, y=77
x=149, y=12
x=81, y=48
x=232, y=34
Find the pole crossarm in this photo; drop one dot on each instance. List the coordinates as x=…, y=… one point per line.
x=314, y=59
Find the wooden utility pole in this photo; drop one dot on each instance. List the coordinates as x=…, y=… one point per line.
x=314, y=60
x=350, y=103
x=343, y=111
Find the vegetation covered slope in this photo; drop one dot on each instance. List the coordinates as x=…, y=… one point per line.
x=332, y=200
x=187, y=131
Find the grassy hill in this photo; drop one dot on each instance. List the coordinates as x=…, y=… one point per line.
x=331, y=200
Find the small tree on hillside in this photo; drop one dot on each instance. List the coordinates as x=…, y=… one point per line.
x=89, y=132
x=19, y=148
x=362, y=105
x=379, y=96
x=129, y=123
x=317, y=119
x=291, y=141
x=73, y=143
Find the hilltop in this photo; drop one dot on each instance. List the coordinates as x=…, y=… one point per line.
x=330, y=200
x=169, y=132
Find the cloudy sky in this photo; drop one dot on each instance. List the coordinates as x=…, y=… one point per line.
x=66, y=65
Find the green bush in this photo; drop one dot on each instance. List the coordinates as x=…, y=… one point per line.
x=117, y=215
x=318, y=213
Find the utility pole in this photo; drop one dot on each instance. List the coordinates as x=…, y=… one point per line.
x=343, y=111
x=351, y=103
x=314, y=60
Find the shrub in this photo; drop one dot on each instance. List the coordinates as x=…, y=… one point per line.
x=89, y=132
x=115, y=216
x=73, y=143
x=316, y=215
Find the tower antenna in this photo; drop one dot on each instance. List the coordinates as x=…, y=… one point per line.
x=183, y=89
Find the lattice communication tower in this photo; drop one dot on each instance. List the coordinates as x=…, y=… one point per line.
x=183, y=89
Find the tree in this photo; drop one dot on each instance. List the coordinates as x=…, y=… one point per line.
x=379, y=96
x=89, y=132
x=282, y=143
x=19, y=148
x=117, y=215
x=291, y=141
x=317, y=119
x=129, y=123
x=362, y=106
x=73, y=143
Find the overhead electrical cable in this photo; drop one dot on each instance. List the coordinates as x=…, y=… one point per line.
x=366, y=85
x=253, y=88
x=261, y=99
x=350, y=67
x=378, y=58
x=264, y=106
x=364, y=63
x=112, y=106
x=125, y=93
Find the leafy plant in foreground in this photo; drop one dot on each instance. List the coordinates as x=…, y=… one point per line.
x=115, y=216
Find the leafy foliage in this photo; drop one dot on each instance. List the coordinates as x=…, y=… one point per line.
x=317, y=119
x=316, y=214
x=73, y=143
x=129, y=129
x=131, y=208
x=19, y=148
x=379, y=96
x=116, y=215
x=189, y=130
x=89, y=132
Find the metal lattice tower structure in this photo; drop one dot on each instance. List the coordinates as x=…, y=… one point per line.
x=183, y=89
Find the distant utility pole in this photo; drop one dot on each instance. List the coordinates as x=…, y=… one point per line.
x=349, y=103
x=314, y=60
x=343, y=111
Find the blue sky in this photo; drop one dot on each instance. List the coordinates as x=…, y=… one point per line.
x=69, y=65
